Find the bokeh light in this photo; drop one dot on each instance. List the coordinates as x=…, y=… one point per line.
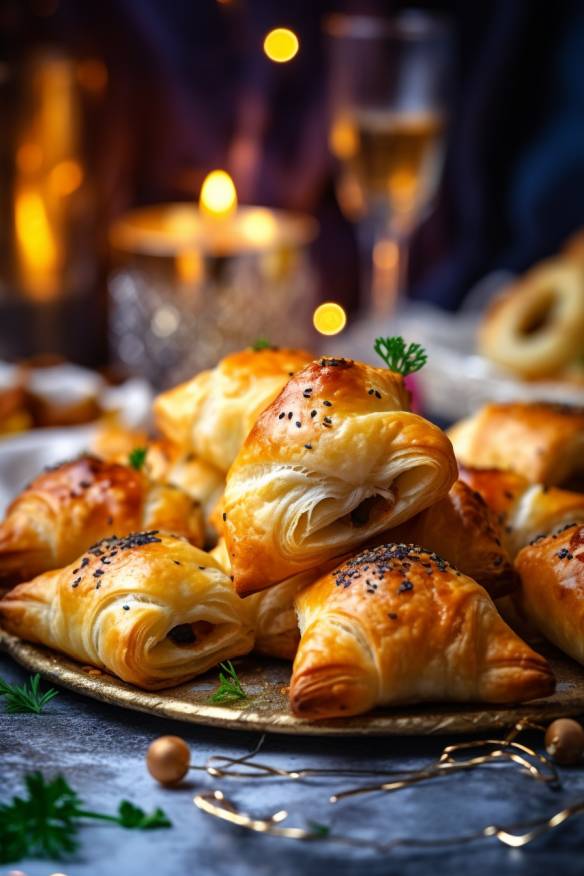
x=65, y=178
x=281, y=45
x=329, y=318
x=218, y=193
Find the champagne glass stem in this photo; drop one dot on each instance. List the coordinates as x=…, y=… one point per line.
x=389, y=276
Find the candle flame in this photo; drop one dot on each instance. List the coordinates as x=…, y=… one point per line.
x=329, y=318
x=37, y=245
x=281, y=45
x=218, y=194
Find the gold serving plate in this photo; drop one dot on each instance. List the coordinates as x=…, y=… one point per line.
x=266, y=707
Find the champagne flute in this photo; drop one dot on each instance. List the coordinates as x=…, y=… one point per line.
x=388, y=81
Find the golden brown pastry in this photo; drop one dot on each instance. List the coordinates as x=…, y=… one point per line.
x=114, y=442
x=273, y=610
x=524, y=510
x=536, y=326
x=167, y=464
x=397, y=624
x=149, y=608
x=211, y=414
x=335, y=460
x=542, y=442
x=461, y=528
x=552, y=587
x=67, y=508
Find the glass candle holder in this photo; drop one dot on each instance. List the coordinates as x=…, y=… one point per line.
x=187, y=288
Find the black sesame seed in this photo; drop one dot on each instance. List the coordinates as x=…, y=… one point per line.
x=282, y=415
x=176, y=562
x=377, y=394
x=392, y=615
x=313, y=413
x=298, y=424
x=126, y=607
x=406, y=585
x=328, y=404
x=308, y=446
x=76, y=582
x=564, y=554
x=370, y=392
x=290, y=415
x=327, y=420
x=224, y=516
x=98, y=573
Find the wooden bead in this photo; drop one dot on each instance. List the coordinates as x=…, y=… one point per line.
x=564, y=741
x=168, y=759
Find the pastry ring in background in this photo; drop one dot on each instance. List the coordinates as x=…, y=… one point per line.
x=536, y=327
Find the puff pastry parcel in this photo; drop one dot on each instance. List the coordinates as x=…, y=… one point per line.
x=542, y=442
x=165, y=462
x=67, y=508
x=462, y=529
x=335, y=460
x=397, y=624
x=149, y=608
x=273, y=610
x=552, y=588
x=211, y=414
x=524, y=510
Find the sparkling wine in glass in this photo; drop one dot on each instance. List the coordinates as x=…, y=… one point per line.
x=388, y=87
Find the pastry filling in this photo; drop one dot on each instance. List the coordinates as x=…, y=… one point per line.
x=369, y=510
x=190, y=634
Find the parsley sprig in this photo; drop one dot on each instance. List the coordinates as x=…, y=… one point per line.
x=399, y=358
x=261, y=344
x=45, y=822
x=137, y=457
x=27, y=697
x=230, y=688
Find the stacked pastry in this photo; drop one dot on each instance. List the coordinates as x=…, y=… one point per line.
x=527, y=462
x=347, y=543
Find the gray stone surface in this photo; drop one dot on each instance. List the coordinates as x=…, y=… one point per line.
x=101, y=752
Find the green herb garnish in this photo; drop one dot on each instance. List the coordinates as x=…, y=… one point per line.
x=27, y=697
x=137, y=457
x=230, y=688
x=44, y=823
x=318, y=830
x=261, y=344
x=399, y=358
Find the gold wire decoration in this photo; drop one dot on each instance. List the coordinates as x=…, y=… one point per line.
x=451, y=760
x=516, y=835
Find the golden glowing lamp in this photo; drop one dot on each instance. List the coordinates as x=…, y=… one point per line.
x=281, y=45
x=329, y=318
x=218, y=194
